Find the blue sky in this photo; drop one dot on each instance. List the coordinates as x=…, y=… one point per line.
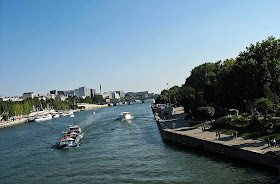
x=122, y=44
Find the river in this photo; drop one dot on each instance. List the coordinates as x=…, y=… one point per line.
x=113, y=151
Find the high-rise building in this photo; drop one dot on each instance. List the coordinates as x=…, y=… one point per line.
x=121, y=93
x=76, y=92
x=82, y=92
x=92, y=92
x=69, y=93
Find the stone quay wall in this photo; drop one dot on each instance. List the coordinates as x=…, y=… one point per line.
x=182, y=137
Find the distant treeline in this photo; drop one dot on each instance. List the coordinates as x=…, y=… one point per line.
x=253, y=76
x=24, y=107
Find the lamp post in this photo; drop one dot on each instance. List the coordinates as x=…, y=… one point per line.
x=168, y=94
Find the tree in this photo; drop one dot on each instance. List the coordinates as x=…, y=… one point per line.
x=5, y=117
x=98, y=99
x=88, y=100
x=270, y=95
x=163, y=98
x=205, y=112
x=263, y=105
x=27, y=107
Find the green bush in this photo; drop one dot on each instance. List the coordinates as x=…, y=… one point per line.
x=205, y=112
x=5, y=117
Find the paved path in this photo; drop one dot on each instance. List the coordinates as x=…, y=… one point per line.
x=177, y=124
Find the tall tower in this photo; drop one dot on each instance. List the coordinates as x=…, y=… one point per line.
x=100, y=88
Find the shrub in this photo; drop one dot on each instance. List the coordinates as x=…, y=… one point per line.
x=205, y=112
x=5, y=117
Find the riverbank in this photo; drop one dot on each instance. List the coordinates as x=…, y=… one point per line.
x=24, y=119
x=174, y=128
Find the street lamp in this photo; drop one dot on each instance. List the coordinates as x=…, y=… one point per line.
x=168, y=94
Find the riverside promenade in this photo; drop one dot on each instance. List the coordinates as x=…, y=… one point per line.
x=174, y=128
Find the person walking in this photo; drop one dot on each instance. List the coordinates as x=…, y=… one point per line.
x=268, y=142
x=273, y=142
x=236, y=134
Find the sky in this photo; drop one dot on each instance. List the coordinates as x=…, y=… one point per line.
x=129, y=45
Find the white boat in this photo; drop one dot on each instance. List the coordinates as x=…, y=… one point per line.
x=67, y=113
x=43, y=118
x=93, y=112
x=125, y=116
x=55, y=115
x=72, y=116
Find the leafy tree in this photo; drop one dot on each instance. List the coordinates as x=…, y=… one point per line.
x=27, y=107
x=88, y=100
x=263, y=105
x=5, y=117
x=205, y=112
x=98, y=99
x=163, y=98
x=270, y=95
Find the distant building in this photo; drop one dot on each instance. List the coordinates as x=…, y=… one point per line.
x=121, y=93
x=135, y=94
x=76, y=92
x=54, y=92
x=69, y=93
x=82, y=92
x=110, y=95
x=60, y=98
x=48, y=96
x=92, y=92
x=12, y=98
x=29, y=95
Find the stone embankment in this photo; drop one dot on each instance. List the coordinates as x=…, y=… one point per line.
x=86, y=106
x=174, y=128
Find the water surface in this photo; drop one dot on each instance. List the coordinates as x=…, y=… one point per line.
x=112, y=151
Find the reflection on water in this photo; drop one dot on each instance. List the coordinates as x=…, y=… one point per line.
x=112, y=151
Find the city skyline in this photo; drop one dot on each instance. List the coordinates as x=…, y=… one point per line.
x=128, y=45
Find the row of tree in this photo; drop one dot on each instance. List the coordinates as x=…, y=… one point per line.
x=254, y=75
x=24, y=107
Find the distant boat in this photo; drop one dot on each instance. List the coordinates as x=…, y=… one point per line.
x=71, y=138
x=125, y=116
x=93, y=112
x=72, y=116
x=68, y=113
x=31, y=119
x=43, y=118
x=55, y=115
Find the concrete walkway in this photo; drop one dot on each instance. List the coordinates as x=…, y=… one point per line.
x=177, y=124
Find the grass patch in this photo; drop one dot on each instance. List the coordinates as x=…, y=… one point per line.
x=199, y=125
x=271, y=136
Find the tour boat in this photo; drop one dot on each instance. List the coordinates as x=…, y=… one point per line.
x=125, y=116
x=72, y=116
x=43, y=118
x=71, y=138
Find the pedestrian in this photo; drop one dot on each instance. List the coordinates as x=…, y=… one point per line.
x=219, y=135
x=236, y=134
x=268, y=142
x=273, y=142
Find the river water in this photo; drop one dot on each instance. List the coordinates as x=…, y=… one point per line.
x=113, y=151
